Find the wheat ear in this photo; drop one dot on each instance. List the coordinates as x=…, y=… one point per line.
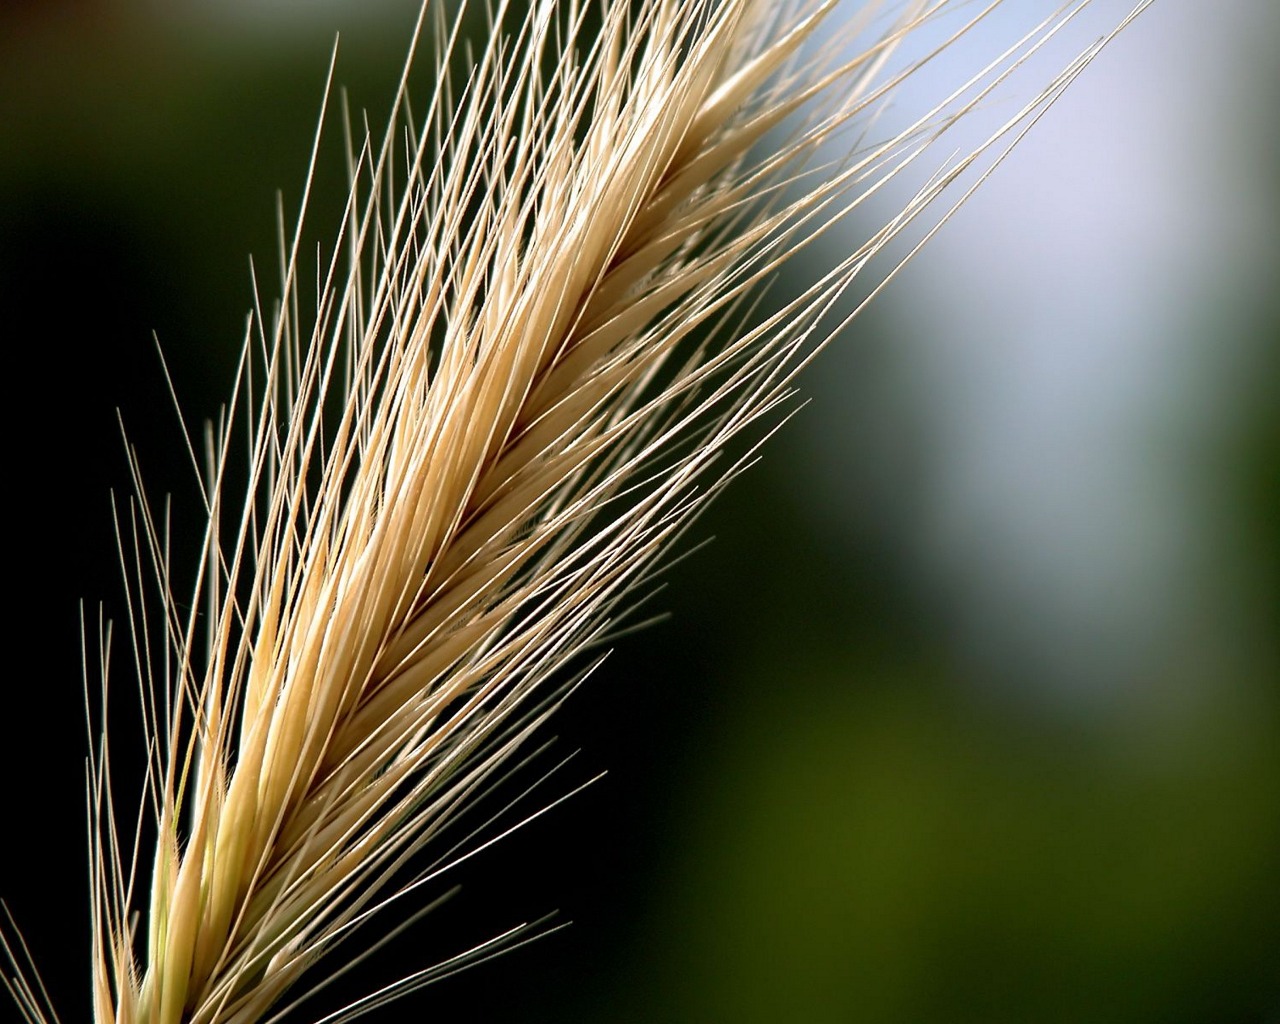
x=528, y=357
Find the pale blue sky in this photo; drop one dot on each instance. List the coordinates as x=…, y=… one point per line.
x=1057, y=333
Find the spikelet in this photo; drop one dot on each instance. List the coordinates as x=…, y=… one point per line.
x=528, y=359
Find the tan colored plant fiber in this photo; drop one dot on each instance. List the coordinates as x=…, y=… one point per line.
x=527, y=359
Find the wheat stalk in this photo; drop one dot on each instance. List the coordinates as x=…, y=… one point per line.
x=528, y=359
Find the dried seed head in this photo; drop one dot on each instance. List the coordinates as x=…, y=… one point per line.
x=529, y=357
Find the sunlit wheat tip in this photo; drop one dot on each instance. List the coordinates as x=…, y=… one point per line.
x=532, y=354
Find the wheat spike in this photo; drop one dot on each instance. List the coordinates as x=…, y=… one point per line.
x=528, y=357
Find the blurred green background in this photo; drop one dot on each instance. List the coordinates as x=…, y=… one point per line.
x=971, y=712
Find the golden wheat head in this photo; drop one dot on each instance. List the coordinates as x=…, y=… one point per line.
x=526, y=361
